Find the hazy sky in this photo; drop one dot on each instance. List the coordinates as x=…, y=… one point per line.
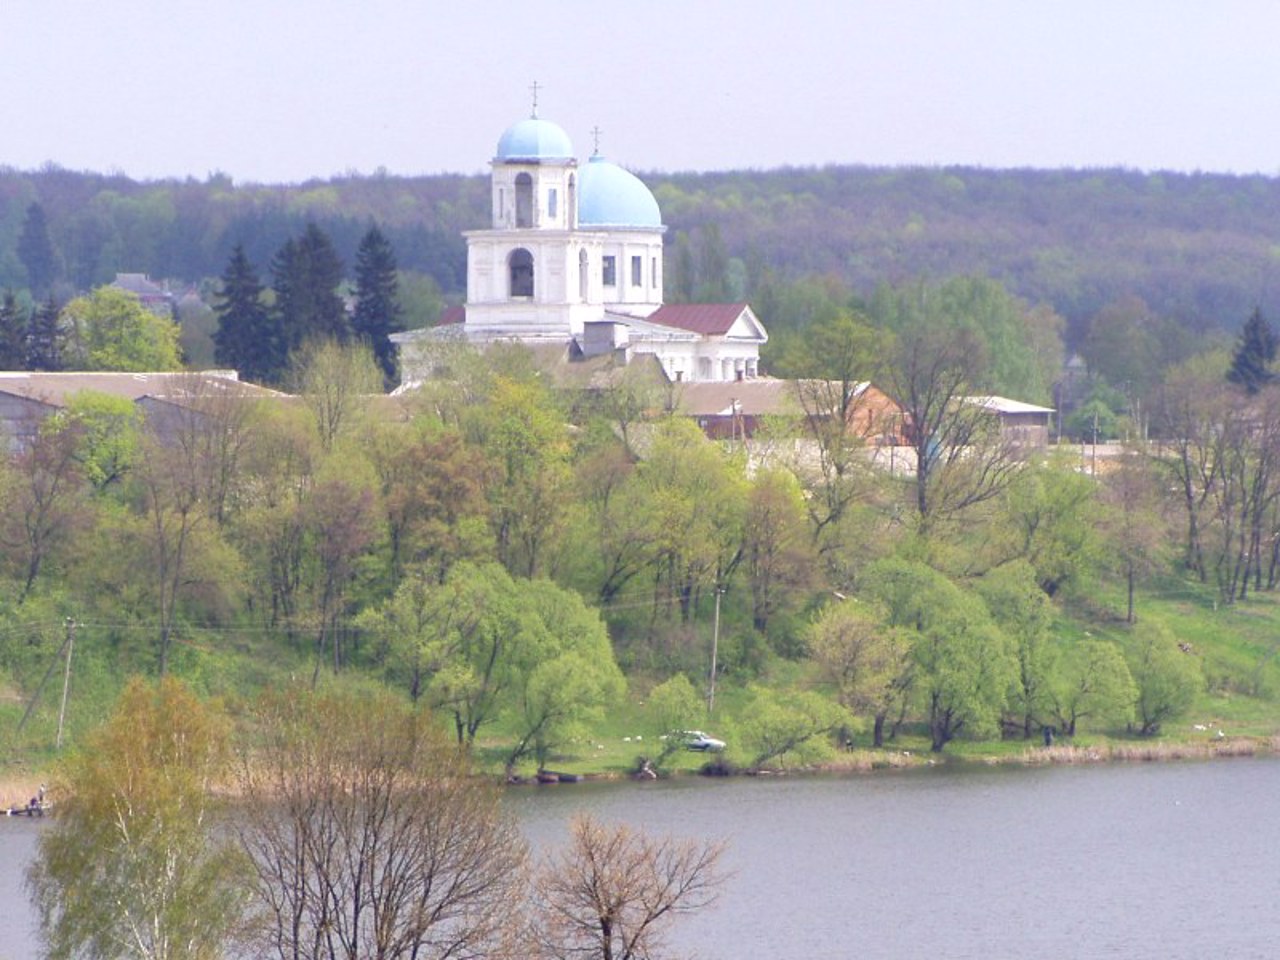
x=284, y=90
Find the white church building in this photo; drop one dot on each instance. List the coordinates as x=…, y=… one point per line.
x=573, y=257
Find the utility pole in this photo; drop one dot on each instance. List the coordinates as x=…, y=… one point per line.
x=715, y=644
x=66, y=679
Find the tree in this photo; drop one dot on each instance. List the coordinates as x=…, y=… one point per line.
x=246, y=339
x=36, y=251
x=374, y=840
x=673, y=706
x=935, y=365
x=779, y=556
x=1167, y=678
x=614, y=890
x=963, y=664
x=787, y=726
x=45, y=339
x=305, y=274
x=377, y=311
x=111, y=330
x=833, y=364
x=1254, y=354
x=1023, y=611
x=1132, y=520
x=568, y=679
x=13, y=333
x=335, y=381
x=42, y=493
x=135, y=865
x=868, y=661
x=1092, y=681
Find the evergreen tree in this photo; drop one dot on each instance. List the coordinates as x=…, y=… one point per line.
x=377, y=311
x=247, y=338
x=44, y=337
x=36, y=251
x=305, y=274
x=1256, y=349
x=13, y=334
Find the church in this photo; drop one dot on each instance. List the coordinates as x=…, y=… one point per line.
x=572, y=258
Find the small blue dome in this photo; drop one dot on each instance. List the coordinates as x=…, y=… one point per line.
x=609, y=196
x=534, y=139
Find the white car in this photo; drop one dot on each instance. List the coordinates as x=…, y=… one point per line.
x=697, y=740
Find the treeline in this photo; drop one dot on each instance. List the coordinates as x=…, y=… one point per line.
x=1196, y=248
x=470, y=544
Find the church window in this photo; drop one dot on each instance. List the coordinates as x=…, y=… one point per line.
x=553, y=203
x=524, y=200
x=573, y=204
x=656, y=285
x=637, y=271
x=583, y=276
x=521, y=273
x=610, y=271
x=502, y=204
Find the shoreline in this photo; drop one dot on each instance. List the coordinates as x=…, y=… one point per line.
x=877, y=761
x=17, y=789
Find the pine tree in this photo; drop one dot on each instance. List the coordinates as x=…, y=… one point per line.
x=1255, y=351
x=377, y=311
x=36, y=251
x=247, y=338
x=305, y=275
x=13, y=334
x=44, y=337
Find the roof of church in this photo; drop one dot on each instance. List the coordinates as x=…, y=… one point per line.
x=708, y=319
x=609, y=196
x=534, y=139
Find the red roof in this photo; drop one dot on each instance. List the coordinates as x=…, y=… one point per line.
x=708, y=319
x=452, y=315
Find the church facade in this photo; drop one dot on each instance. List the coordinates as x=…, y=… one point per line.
x=572, y=256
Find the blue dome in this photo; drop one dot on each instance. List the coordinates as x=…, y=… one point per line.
x=534, y=139
x=609, y=196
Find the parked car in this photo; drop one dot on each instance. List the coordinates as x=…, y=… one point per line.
x=697, y=740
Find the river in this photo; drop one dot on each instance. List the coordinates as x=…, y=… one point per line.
x=1167, y=860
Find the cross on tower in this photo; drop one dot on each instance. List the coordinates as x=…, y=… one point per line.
x=535, y=87
x=595, y=136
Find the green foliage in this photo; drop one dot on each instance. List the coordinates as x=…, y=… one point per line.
x=963, y=663
x=778, y=728
x=673, y=707
x=247, y=340
x=109, y=430
x=13, y=333
x=1255, y=352
x=1023, y=611
x=1091, y=682
x=36, y=251
x=110, y=329
x=134, y=866
x=377, y=300
x=1167, y=678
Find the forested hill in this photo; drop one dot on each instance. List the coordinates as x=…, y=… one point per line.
x=1199, y=248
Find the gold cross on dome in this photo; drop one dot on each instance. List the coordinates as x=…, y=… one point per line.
x=595, y=136
x=535, y=87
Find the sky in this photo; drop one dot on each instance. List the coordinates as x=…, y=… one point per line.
x=274, y=91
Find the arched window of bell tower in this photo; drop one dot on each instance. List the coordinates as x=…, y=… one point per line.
x=521, y=267
x=583, y=276
x=524, y=200
x=573, y=203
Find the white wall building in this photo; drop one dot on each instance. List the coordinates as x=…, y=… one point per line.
x=573, y=255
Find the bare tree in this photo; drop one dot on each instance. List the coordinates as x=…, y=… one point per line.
x=370, y=839
x=613, y=892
